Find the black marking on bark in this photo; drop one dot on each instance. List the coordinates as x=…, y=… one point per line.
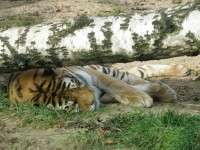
x=79, y=23
x=125, y=24
x=6, y=43
x=106, y=29
x=93, y=41
x=22, y=39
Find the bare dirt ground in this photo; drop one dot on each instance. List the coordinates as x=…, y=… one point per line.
x=52, y=10
x=187, y=88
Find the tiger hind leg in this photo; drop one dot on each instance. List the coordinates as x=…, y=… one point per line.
x=154, y=70
x=158, y=90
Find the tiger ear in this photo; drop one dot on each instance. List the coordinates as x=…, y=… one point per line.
x=48, y=72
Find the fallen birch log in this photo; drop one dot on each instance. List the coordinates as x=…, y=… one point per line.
x=153, y=35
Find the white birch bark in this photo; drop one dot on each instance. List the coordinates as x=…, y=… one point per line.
x=154, y=35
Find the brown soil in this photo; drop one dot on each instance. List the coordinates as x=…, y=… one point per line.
x=52, y=10
x=187, y=88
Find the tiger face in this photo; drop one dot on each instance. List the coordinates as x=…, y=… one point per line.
x=55, y=88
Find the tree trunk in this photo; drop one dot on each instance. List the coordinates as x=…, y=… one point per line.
x=154, y=35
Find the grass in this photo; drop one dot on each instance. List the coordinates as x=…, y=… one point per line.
x=153, y=131
x=171, y=131
x=134, y=130
x=20, y=20
x=115, y=12
x=89, y=141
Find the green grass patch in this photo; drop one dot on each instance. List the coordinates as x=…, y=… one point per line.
x=43, y=118
x=171, y=131
x=134, y=130
x=4, y=103
x=20, y=20
x=116, y=10
x=87, y=141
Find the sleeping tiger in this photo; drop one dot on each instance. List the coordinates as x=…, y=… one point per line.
x=76, y=88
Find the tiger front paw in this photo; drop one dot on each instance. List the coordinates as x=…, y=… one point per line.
x=140, y=100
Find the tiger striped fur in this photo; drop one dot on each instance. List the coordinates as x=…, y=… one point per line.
x=135, y=77
x=84, y=88
x=57, y=88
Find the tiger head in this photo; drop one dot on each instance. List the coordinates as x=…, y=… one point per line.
x=81, y=95
x=56, y=88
